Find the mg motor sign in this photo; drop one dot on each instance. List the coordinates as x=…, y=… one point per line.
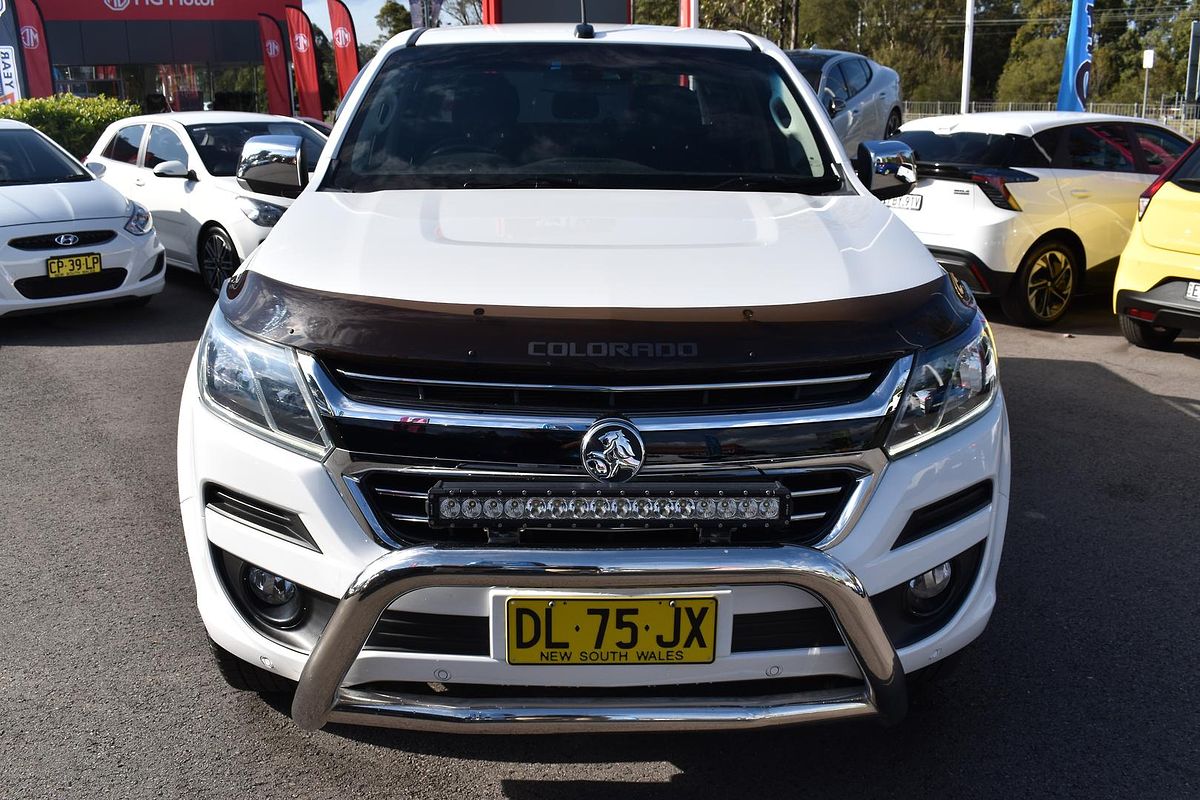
x=121, y=5
x=302, y=43
x=134, y=10
x=274, y=48
x=30, y=38
x=342, y=38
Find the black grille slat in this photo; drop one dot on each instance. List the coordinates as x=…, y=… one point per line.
x=784, y=630
x=261, y=514
x=822, y=492
x=415, y=632
x=845, y=384
x=43, y=287
x=47, y=241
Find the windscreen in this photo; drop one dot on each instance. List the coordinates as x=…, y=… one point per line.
x=220, y=145
x=26, y=157
x=967, y=148
x=585, y=115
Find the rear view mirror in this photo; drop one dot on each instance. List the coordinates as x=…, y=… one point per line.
x=888, y=169
x=172, y=169
x=273, y=165
x=96, y=168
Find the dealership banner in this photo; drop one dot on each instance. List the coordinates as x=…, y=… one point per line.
x=32, y=31
x=176, y=10
x=279, y=90
x=304, y=62
x=1075, y=87
x=345, y=45
x=11, y=83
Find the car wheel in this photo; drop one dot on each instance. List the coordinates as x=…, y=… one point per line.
x=218, y=258
x=1044, y=286
x=246, y=677
x=1146, y=334
x=893, y=124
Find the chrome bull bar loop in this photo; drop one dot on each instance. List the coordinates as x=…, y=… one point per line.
x=321, y=698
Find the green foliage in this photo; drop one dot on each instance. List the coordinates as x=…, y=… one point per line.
x=74, y=122
x=392, y=19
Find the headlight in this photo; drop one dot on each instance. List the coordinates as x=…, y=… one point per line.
x=260, y=213
x=950, y=385
x=258, y=386
x=140, y=222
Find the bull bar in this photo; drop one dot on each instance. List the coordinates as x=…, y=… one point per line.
x=320, y=696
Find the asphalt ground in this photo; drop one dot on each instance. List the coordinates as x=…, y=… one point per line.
x=1084, y=685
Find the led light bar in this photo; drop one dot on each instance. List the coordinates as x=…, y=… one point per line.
x=591, y=505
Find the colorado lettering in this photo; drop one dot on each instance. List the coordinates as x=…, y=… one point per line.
x=614, y=349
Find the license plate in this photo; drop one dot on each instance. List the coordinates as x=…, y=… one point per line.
x=1193, y=291
x=907, y=202
x=612, y=631
x=70, y=266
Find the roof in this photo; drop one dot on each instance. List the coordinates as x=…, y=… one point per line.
x=12, y=125
x=565, y=32
x=206, y=117
x=1026, y=123
x=818, y=54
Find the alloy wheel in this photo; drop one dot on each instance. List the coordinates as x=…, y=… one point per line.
x=1050, y=284
x=218, y=261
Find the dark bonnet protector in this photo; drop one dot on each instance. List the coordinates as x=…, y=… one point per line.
x=613, y=345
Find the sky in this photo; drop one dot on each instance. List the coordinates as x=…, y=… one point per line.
x=363, y=11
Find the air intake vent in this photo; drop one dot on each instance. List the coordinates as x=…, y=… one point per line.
x=945, y=512
x=264, y=516
x=43, y=287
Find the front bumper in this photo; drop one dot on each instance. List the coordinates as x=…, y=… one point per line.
x=320, y=697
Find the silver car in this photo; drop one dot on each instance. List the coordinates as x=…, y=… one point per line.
x=862, y=98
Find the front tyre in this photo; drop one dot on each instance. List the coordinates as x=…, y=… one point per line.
x=246, y=677
x=893, y=124
x=1147, y=334
x=218, y=257
x=1044, y=286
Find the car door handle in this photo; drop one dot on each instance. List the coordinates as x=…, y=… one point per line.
x=1082, y=194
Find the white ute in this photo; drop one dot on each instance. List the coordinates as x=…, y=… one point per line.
x=587, y=387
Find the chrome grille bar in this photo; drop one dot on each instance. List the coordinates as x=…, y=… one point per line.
x=686, y=387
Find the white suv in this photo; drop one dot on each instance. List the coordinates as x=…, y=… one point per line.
x=587, y=387
x=1030, y=206
x=181, y=166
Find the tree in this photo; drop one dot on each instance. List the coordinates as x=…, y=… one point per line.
x=392, y=18
x=464, y=12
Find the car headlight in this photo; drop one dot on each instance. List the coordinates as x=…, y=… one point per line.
x=260, y=213
x=950, y=385
x=140, y=222
x=258, y=387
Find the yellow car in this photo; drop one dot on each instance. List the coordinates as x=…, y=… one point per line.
x=1157, y=291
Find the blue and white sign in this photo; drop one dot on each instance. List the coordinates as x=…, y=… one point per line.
x=1076, y=84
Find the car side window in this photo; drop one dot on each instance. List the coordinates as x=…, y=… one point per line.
x=125, y=145
x=1159, y=149
x=164, y=146
x=1099, y=147
x=857, y=73
x=835, y=83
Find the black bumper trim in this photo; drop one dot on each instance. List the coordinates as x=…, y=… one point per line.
x=967, y=267
x=1168, y=301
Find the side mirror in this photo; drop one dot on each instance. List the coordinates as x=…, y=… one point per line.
x=96, y=168
x=173, y=169
x=273, y=165
x=888, y=169
x=834, y=105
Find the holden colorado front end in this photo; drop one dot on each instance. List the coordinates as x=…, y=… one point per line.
x=588, y=387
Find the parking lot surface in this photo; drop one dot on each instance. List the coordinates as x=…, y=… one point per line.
x=1082, y=686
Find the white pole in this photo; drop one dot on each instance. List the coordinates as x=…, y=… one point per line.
x=967, y=42
x=1145, y=91
x=694, y=12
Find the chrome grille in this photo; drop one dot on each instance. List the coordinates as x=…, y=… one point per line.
x=798, y=389
x=397, y=501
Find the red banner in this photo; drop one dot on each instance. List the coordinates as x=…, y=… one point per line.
x=34, y=49
x=130, y=10
x=345, y=45
x=304, y=62
x=279, y=90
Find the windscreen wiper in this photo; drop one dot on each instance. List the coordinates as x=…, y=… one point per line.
x=778, y=183
x=525, y=182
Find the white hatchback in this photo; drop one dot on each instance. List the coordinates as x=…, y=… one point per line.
x=182, y=167
x=66, y=238
x=1030, y=206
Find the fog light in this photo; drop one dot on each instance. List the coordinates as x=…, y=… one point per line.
x=928, y=592
x=272, y=598
x=269, y=587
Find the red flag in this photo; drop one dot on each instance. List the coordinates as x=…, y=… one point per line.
x=345, y=45
x=33, y=46
x=279, y=92
x=304, y=62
